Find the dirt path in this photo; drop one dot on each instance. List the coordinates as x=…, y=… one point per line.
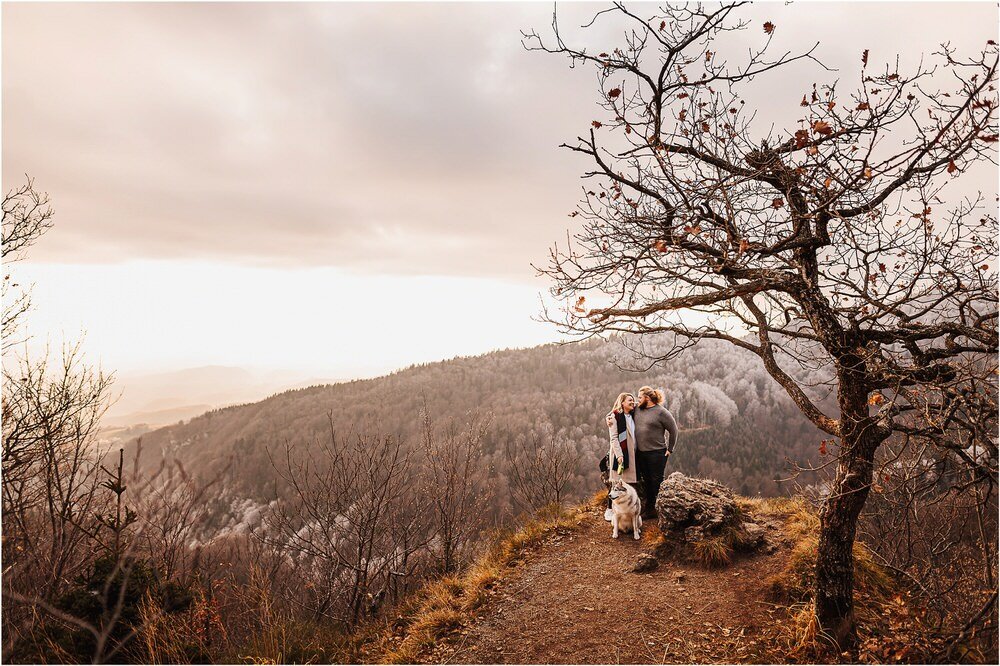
x=575, y=601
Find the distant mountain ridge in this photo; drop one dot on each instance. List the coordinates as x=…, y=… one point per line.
x=156, y=418
x=738, y=425
x=163, y=398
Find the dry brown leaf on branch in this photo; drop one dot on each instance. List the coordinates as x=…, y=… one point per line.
x=614, y=92
x=596, y=124
x=864, y=59
x=579, y=304
x=822, y=127
x=952, y=167
x=778, y=202
x=768, y=27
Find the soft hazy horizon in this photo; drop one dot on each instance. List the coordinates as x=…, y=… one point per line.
x=337, y=190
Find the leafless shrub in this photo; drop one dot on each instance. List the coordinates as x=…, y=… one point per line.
x=173, y=510
x=932, y=519
x=539, y=470
x=349, y=526
x=51, y=478
x=456, y=487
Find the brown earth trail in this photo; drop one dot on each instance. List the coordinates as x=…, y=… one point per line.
x=575, y=600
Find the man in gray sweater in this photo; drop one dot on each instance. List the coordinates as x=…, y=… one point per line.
x=655, y=437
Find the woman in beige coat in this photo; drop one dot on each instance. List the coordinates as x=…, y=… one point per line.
x=621, y=455
x=621, y=450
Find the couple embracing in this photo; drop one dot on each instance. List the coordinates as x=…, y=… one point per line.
x=643, y=435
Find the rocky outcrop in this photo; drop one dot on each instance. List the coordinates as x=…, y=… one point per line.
x=693, y=509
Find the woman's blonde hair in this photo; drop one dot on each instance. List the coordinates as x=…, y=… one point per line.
x=618, y=403
x=655, y=395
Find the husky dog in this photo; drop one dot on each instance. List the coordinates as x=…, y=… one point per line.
x=625, y=509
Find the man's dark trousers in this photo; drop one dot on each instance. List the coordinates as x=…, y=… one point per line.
x=649, y=468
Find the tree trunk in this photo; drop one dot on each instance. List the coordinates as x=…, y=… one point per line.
x=861, y=436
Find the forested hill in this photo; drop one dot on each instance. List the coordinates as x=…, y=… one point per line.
x=737, y=425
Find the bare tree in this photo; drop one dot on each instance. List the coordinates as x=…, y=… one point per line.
x=539, y=469
x=51, y=412
x=826, y=240
x=50, y=464
x=173, y=510
x=348, y=523
x=456, y=486
x=26, y=216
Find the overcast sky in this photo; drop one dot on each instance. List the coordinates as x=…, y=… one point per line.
x=340, y=189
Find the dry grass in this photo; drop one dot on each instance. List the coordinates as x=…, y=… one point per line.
x=795, y=582
x=444, y=605
x=262, y=630
x=713, y=553
x=887, y=625
x=800, y=518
